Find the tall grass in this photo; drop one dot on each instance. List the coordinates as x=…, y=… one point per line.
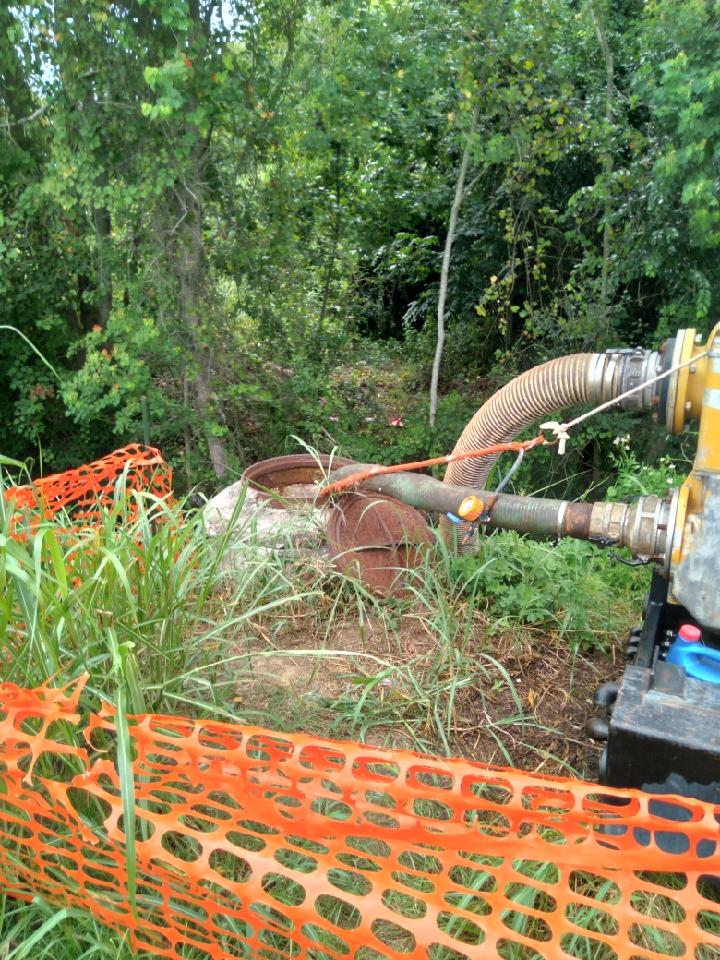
x=148, y=604
x=36, y=931
x=140, y=604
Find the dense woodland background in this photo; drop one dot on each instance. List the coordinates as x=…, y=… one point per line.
x=238, y=211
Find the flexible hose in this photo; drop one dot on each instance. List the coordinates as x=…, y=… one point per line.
x=536, y=393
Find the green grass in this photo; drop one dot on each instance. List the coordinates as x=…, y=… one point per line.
x=36, y=930
x=146, y=609
x=146, y=606
x=570, y=588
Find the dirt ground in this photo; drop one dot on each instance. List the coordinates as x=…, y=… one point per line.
x=556, y=689
x=299, y=679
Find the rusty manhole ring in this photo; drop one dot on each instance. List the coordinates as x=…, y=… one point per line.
x=376, y=538
x=298, y=474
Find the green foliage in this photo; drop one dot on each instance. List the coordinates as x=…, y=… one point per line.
x=569, y=587
x=189, y=202
x=636, y=479
x=376, y=408
x=685, y=94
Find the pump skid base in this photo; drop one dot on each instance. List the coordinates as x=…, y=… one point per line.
x=664, y=734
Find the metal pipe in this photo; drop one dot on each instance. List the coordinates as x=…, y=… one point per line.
x=641, y=526
x=537, y=516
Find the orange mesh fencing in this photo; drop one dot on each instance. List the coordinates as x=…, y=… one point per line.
x=260, y=845
x=85, y=491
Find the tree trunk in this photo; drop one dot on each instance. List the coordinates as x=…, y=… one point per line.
x=187, y=435
x=445, y=270
x=330, y=267
x=191, y=266
x=204, y=394
x=103, y=229
x=607, y=161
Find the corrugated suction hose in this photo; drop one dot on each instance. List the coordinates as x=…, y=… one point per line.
x=564, y=382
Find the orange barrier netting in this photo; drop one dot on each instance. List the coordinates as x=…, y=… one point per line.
x=259, y=845
x=87, y=490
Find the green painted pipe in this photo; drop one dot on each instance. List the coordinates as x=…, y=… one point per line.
x=536, y=516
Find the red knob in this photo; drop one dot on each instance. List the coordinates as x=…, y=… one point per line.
x=690, y=633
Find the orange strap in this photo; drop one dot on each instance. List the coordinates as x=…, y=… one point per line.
x=355, y=479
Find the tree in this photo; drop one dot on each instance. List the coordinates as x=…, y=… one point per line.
x=205, y=204
x=445, y=269
x=143, y=102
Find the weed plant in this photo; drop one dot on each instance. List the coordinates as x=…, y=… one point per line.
x=570, y=588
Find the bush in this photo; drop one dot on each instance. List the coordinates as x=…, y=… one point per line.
x=570, y=587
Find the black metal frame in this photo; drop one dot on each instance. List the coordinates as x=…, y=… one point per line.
x=663, y=728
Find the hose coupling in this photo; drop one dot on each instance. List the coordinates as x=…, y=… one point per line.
x=641, y=526
x=617, y=371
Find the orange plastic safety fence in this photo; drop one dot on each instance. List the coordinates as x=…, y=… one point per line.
x=85, y=491
x=253, y=844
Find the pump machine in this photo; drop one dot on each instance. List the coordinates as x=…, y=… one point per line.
x=661, y=720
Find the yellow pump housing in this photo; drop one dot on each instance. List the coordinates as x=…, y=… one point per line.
x=692, y=561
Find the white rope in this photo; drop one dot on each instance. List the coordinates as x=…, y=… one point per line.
x=561, y=431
